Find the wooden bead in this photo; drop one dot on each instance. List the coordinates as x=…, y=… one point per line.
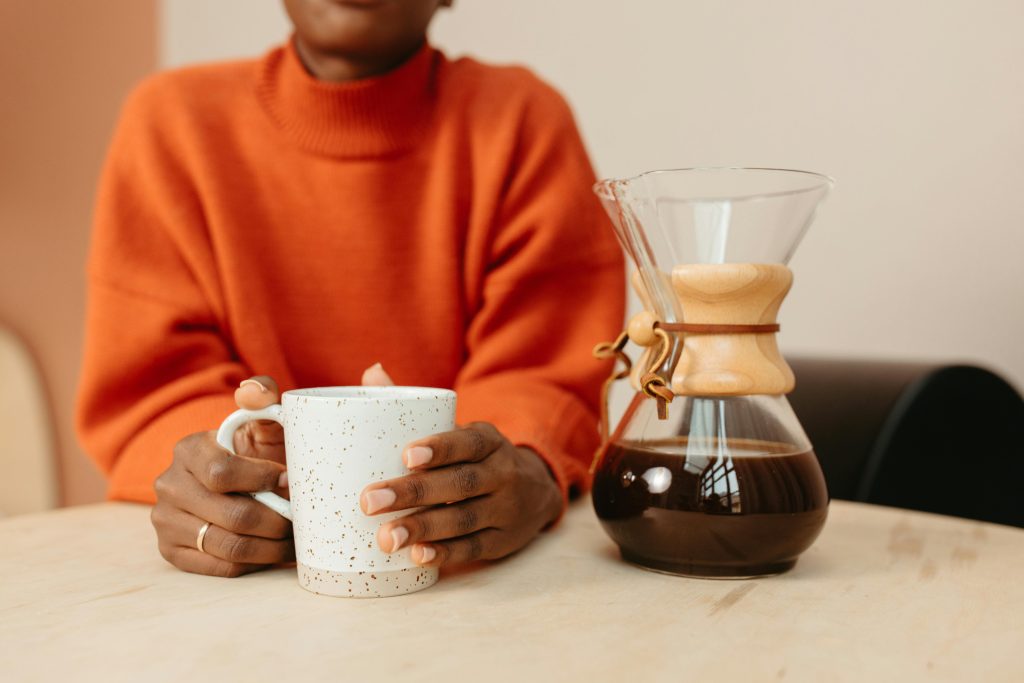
x=641, y=328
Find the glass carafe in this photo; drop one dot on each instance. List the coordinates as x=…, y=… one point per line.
x=708, y=472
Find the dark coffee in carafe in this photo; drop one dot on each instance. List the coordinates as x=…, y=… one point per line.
x=747, y=511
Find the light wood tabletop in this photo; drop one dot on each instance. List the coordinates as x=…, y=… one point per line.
x=884, y=594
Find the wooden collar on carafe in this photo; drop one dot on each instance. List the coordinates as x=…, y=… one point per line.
x=646, y=330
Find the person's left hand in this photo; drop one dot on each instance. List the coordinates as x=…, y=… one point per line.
x=483, y=498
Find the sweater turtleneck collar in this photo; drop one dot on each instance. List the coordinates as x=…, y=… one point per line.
x=371, y=117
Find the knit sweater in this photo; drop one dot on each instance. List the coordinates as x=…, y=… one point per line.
x=253, y=220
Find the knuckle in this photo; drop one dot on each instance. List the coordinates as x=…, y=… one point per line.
x=419, y=527
x=163, y=488
x=218, y=476
x=242, y=516
x=490, y=433
x=466, y=480
x=237, y=548
x=416, y=490
x=477, y=441
x=474, y=547
x=466, y=520
x=484, y=428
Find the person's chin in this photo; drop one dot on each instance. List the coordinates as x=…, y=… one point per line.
x=362, y=5
x=350, y=35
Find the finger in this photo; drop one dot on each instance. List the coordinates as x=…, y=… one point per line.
x=221, y=472
x=376, y=376
x=257, y=392
x=182, y=528
x=238, y=513
x=482, y=545
x=191, y=560
x=472, y=443
x=242, y=515
x=262, y=439
x=434, y=487
x=259, y=438
x=437, y=524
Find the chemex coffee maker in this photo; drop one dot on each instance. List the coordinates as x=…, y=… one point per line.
x=708, y=473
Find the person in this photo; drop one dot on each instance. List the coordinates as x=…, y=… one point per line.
x=353, y=199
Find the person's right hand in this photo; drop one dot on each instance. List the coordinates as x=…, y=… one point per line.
x=206, y=484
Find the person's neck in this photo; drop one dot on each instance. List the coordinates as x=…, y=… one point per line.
x=340, y=68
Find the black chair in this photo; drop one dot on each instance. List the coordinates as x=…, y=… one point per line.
x=945, y=439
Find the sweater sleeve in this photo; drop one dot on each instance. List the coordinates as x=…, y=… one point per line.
x=157, y=365
x=553, y=288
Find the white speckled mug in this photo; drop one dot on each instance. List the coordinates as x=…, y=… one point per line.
x=337, y=441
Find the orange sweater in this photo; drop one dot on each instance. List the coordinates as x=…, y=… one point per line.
x=252, y=220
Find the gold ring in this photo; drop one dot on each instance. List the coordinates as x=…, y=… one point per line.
x=202, y=534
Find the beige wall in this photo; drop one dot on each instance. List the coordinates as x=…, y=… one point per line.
x=65, y=66
x=915, y=107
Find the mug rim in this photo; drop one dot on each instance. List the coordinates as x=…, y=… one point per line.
x=361, y=393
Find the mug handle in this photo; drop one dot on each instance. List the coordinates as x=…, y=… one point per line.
x=226, y=440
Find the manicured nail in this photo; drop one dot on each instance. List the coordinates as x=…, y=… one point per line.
x=282, y=481
x=399, y=535
x=378, y=499
x=418, y=455
x=427, y=553
x=263, y=389
x=376, y=376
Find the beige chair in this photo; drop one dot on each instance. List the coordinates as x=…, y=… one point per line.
x=27, y=457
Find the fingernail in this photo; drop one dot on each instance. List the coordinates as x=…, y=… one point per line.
x=282, y=481
x=399, y=535
x=427, y=553
x=376, y=375
x=418, y=455
x=378, y=499
x=263, y=389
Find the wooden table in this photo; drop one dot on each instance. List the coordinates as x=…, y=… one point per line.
x=883, y=595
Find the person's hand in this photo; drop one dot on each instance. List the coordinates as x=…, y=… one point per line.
x=204, y=483
x=484, y=498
